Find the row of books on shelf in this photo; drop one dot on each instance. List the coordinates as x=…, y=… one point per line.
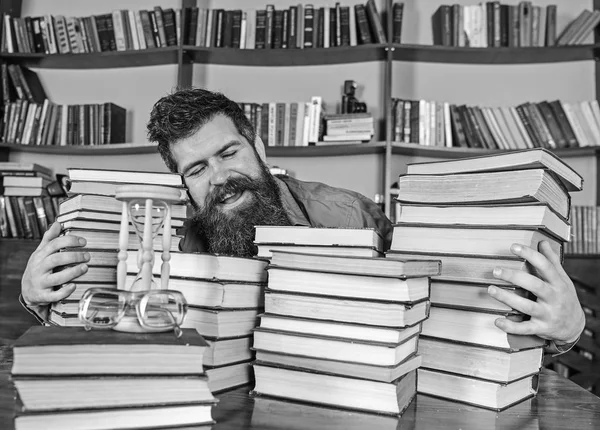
x=30, y=118
x=49, y=123
x=584, y=230
x=300, y=26
x=493, y=24
x=554, y=124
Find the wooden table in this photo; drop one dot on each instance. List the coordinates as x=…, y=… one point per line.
x=560, y=404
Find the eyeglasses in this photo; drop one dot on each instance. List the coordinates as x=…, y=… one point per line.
x=153, y=310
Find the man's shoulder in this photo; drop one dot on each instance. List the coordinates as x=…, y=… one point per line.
x=305, y=190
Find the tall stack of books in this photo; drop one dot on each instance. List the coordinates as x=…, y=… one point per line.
x=364, y=242
x=224, y=296
x=468, y=213
x=93, y=213
x=26, y=209
x=342, y=331
x=66, y=376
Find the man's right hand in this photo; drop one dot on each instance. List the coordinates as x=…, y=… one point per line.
x=39, y=279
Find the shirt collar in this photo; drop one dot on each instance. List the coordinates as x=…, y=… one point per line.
x=291, y=207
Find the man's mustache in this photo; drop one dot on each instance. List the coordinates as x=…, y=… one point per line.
x=233, y=185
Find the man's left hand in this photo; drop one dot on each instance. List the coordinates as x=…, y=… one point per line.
x=557, y=314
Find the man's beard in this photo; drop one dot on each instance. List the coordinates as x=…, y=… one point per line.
x=232, y=233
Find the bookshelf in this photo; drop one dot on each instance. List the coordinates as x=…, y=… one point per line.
x=384, y=70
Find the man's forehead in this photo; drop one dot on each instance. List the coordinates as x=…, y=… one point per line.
x=219, y=128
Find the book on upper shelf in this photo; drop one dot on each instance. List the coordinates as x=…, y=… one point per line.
x=74, y=350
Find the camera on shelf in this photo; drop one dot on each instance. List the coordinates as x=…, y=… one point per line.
x=350, y=103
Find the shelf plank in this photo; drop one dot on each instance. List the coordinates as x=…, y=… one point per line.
x=414, y=149
x=326, y=150
x=96, y=60
x=286, y=57
x=112, y=149
x=464, y=55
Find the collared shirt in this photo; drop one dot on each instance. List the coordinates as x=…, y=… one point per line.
x=316, y=205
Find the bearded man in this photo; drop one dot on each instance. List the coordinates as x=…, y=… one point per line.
x=205, y=137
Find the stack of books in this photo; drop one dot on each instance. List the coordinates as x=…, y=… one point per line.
x=366, y=242
x=26, y=209
x=342, y=331
x=468, y=213
x=93, y=213
x=66, y=376
x=224, y=296
x=348, y=128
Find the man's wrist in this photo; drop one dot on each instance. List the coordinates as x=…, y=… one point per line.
x=41, y=313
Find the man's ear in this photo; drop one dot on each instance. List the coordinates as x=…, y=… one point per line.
x=260, y=149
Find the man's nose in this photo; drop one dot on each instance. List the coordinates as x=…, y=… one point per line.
x=219, y=174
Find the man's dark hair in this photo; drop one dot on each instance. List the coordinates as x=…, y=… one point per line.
x=182, y=113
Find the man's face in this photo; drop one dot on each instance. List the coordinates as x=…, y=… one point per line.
x=232, y=190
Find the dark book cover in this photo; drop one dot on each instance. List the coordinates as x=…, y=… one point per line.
x=504, y=24
x=488, y=137
x=227, y=29
x=218, y=27
x=414, y=121
x=552, y=124
x=191, y=27
x=564, y=123
x=514, y=30
x=441, y=25
x=550, y=36
x=270, y=26
x=526, y=119
x=41, y=336
x=332, y=27
x=160, y=25
x=489, y=17
x=115, y=118
x=110, y=31
x=26, y=224
x=236, y=29
x=397, y=13
x=317, y=19
x=278, y=29
x=38, y=40
x=261, y=29
x=309, y=17
x=345, y=25
x=147, y=27
x=12, y=204
x=170, y=30
x=375, y=22
x=154, y=27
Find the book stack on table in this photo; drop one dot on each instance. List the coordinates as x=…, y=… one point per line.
x=93, y=213
x=342, y=331
x=67, y=377
x=468, y=213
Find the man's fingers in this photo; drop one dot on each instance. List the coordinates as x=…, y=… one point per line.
x=522, y=279
x=62, y=293
x=544, y=267
x=514, y=327
x=52, y=233
x=546, y=250
x=68, y=241
x=66, y=275
x=59, y=259
x=516, y=302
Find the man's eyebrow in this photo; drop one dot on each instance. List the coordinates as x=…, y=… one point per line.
x=227, y=146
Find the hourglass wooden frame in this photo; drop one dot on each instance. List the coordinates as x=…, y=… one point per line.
x=151, y=194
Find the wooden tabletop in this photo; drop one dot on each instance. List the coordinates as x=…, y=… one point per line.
x=560, y=404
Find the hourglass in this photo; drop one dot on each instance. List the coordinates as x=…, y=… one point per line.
x=143, y=306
